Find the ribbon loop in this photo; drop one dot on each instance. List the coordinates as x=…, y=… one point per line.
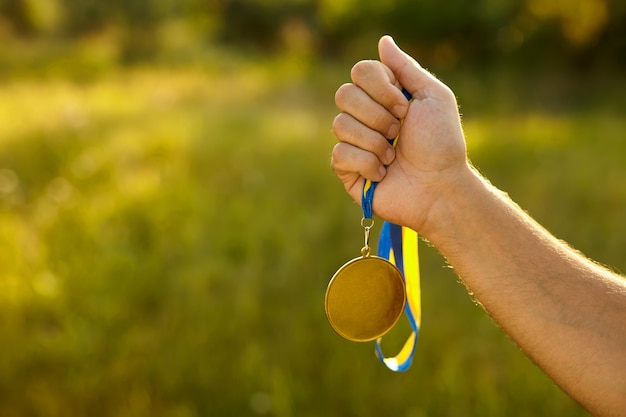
x=399, y=245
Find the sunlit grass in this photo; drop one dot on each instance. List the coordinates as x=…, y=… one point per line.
x=167, y=236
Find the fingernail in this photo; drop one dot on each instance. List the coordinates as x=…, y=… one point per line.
x=390, y=156
x=393, y=131
x=383, y=171
x=399, y=110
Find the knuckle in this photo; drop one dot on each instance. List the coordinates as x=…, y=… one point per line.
x=339, y=124
x=362, y=69
x=336, y=152
x=336, y=155
x=342, y=92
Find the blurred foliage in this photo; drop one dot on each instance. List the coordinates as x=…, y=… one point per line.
x=167, y=228
x=584, y=32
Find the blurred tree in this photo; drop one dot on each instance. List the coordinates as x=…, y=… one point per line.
x=261, y=22
x=584, y=31
x=32, y=17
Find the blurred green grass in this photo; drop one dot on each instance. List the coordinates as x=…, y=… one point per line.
x=167, y=234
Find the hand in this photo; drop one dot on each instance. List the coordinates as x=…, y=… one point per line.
x=430, y=154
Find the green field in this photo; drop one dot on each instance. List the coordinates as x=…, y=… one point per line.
x=167, y=234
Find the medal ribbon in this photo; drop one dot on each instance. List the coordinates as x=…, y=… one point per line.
x=398, y=245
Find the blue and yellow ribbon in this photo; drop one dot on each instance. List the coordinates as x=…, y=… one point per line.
x=398, y=245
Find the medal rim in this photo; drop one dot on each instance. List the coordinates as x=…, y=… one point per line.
x=338, y=272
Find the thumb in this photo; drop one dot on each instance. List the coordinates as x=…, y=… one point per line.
x=407, y=70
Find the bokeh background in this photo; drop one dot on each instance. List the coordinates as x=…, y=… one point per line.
x=169, y=219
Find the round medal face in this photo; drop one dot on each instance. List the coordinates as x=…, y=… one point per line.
x=365, y=298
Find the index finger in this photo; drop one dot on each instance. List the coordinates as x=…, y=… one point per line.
x=380, y=83
x=419, y=82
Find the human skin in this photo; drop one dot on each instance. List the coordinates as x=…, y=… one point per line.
x=566, y=312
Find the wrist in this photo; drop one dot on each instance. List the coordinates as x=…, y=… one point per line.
x=453, y=204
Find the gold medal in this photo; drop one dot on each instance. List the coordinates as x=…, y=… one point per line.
x=366, y=296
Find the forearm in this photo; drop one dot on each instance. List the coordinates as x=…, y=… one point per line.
x=567, y=313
